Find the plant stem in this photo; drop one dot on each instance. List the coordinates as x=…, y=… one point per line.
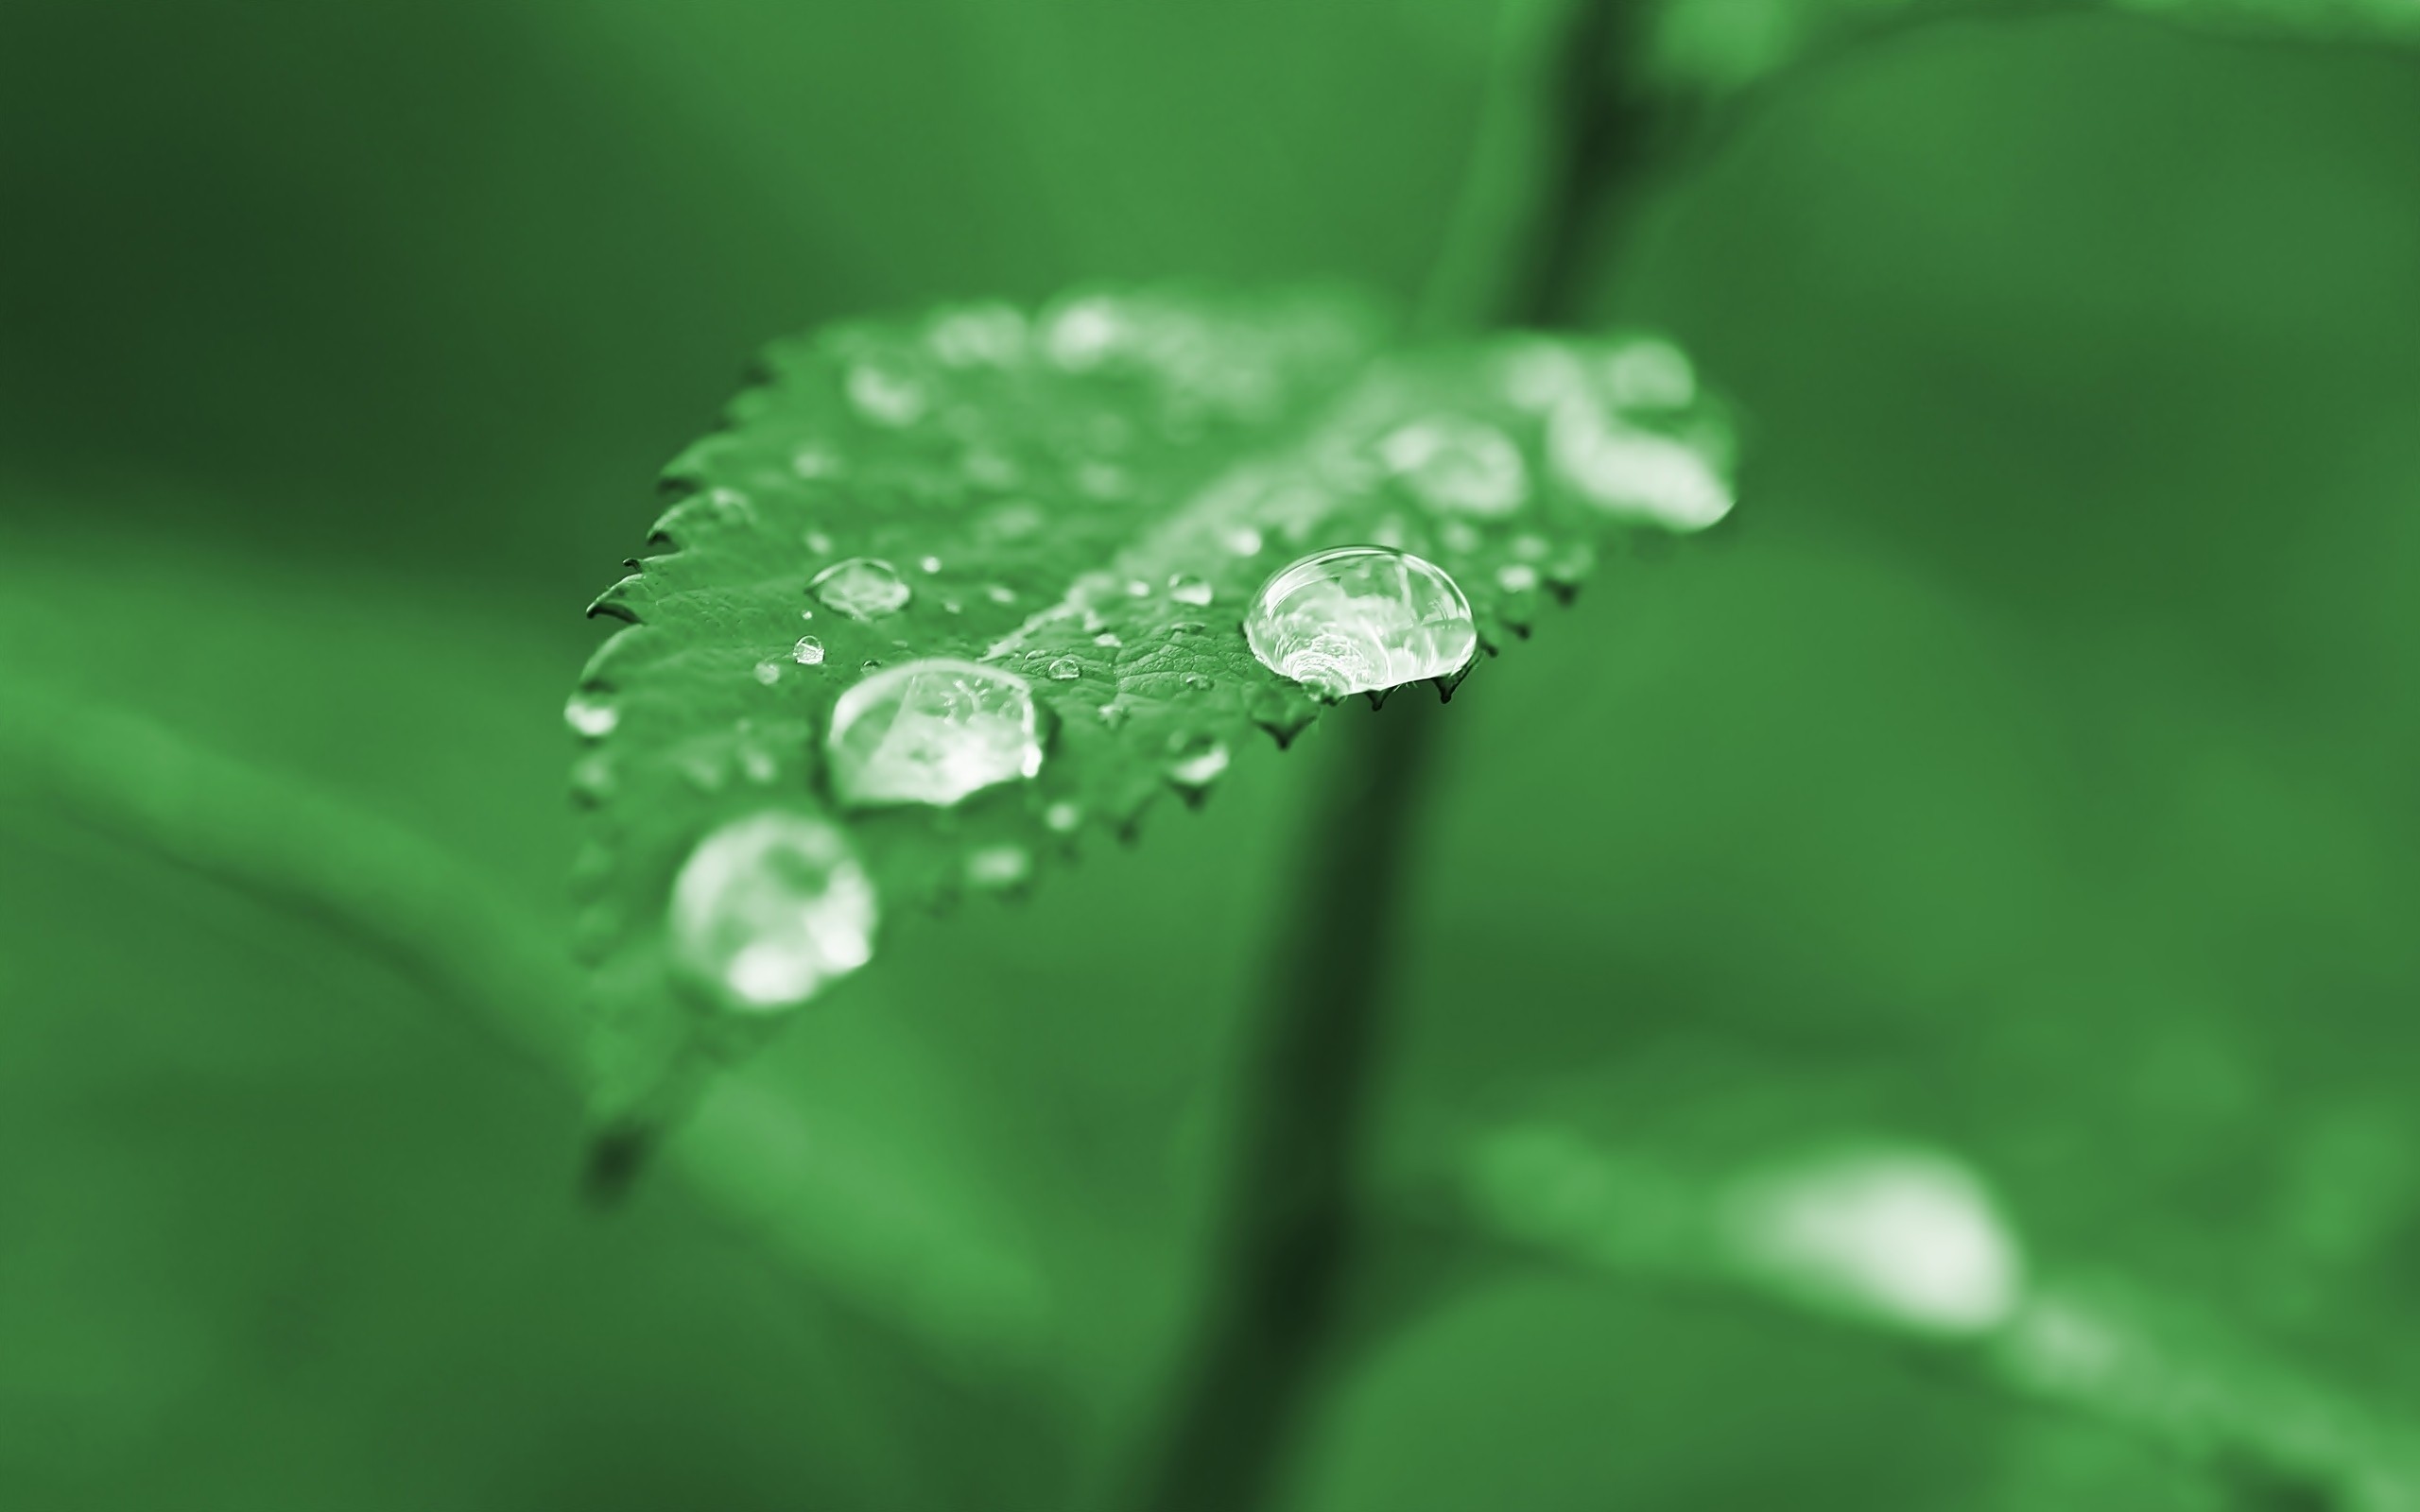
x=1288, y=1226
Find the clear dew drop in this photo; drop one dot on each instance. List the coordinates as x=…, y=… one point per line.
x=1244, y=541
x=768, y=672
x=999, y=594
x=1186, y=589
x=928, y=564
x=818, y=542
x=1136, y=587
x=1361, y=619
x=1516, y=578
x=1454, y=463
x=932, y=731
x=862, y=588
x=887, y=396
x=1066, y=669
x=808, y=652
x=1063, y=816
x=1109, y=639
x=1198, y=762
x=770, y=908
x=1634, y=473
x=591, y=719
x=994, y=867
x=870, y=665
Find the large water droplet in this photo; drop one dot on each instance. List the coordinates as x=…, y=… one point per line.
x=1361, y=619
x=808, y=652
x=1634, y=472
x=771, y=907
x=862, y=588
x=932, y=732
x=1453, y=462
x=1898, y=1235
x=590, y=718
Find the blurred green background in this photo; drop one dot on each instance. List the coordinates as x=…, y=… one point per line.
x=2026, y=770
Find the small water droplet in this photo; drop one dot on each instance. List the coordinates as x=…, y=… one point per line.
x=1197, y=761
x=1187, y=628
x=1455, y=463
x=951, y=606
x=1195, y=682
x=1531, y=548
x=770, y=908
x=768, y=673
x=1066, y=669
x=998, y=595
x=1063, y=816
x=887, y=396
x=1633, y=473
x=1186, y=589
x=590, y=718
x=932, y=731
x=1107, y=638
x=808, y=652
x=928, y=564
x=1114, y=713
x=869, y=664
x=818, y=542
x=1244, y=541
x=758, y=764
x=998, y=866
x=1649, y=372
x=1136, y=587
x=862, y=588
x=1361, y=619
x=1516, y=578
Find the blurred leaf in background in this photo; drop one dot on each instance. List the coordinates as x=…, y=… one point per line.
x=2025, y=777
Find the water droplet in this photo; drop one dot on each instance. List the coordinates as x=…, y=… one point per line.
x=998, y=866
x=1531, y=548
x=1516, y=578
x=951, y=606
x=998, y=595
x=1899, y=1234
x=862, y=588
x=590, y=718
x=1187, y=628
x=818, y=542
x=770, y=908
x=1649, y=372
x=768, y=673
x=1063, y=816
x=978, y=335
x=1195, y=682
x=1361, y=619
x=1114, y=713
x=1066, y=669
x=1198, y=762
x=870, y=665
x=1107, y=638
x=1186, y=589
x=808, y=652
x=1634, y=473
x=758, y=764
x=1244, y=541
x=932, y=731
x=928, y=564
x=884, y=395
x=1084, y=333
x=1136, y=587
x=1452, y=462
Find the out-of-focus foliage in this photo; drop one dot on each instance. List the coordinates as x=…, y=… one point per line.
x=2025, y=779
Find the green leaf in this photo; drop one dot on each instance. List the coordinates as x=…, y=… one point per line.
x=1084, y=502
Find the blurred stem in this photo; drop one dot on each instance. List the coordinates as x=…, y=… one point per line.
x=1287, y=1230
x=391, y=893
x=1288, y=1236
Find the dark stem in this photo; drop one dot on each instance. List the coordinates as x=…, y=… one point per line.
x=1287, y=1237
